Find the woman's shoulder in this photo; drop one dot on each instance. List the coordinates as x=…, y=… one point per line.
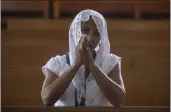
x=55, y=64
x=59, y=58
x=115, y=57
x=110, y=62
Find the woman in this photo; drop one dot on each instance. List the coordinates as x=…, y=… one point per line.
x=89, y=75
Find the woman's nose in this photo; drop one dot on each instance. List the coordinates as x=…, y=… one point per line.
x=89, y=35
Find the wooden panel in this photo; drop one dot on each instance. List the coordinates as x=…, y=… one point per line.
x=19, y=5
x=32, y=41
x=155, y=6
x=64, y=24
x=24, y=0
x=101, y=6
x=56, y=9
x=21, y=85
x=114, y=6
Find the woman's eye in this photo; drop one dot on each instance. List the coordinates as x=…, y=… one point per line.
x=96, y=34
x=84, y=30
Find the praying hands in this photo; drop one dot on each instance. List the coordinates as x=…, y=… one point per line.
x=84, y=53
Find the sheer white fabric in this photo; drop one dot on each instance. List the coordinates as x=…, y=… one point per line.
x=104, y=59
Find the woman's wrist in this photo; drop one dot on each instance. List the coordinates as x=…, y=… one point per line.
x=76, y=66
x=92, y=66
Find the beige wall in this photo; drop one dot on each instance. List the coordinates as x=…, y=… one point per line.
x=143, y=45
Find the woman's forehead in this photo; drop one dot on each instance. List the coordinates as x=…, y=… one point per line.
x=89, y=23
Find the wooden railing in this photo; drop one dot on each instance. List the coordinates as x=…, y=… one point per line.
x=85, y=109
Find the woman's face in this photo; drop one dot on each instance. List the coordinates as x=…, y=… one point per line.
x=89, y=28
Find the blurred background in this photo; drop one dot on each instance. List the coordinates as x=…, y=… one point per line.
x=33, y=31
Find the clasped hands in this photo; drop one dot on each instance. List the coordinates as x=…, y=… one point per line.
x=84, y=54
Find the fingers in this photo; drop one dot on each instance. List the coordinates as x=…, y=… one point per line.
x=79, y=41
x=85, y=50
x=86, y=43
x=81, y=55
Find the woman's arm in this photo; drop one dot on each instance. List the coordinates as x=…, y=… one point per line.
x=113, y=87
x=55, y=86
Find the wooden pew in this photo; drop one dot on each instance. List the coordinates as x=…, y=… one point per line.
x=144, y=46
x=26, y=5
x=151, y=7
x=124, y=7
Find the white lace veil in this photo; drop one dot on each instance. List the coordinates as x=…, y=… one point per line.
x=75, y=34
